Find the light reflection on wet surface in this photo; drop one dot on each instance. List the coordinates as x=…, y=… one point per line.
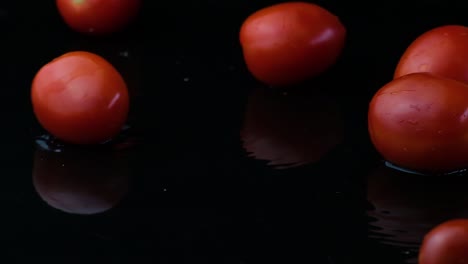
x=291, y=129
x=81, y=181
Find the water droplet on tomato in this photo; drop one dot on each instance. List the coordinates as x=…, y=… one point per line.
x=412, y=122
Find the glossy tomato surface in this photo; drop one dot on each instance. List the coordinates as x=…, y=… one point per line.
x=98, y=16
x=419, y=122
x=290, y=42
x=441, y=51
x=80, y=98
x=447, y=243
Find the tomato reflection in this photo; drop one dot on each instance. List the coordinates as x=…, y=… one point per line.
x=81, y=181
x=291, y=129
x=407, y=206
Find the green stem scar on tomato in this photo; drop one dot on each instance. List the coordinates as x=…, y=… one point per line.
x=80, y=98
x=420, y=122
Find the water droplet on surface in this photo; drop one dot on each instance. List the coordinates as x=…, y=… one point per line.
x=122, y=141
x=415, y=107
x=124, y=54
x=412, y=122
x=49, y=143
x=398, y=168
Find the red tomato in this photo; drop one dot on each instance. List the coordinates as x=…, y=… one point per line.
x=290, y=42
x=98, y=16
x=447, y=243
x=441, y=51
x=80, y=98
x=419, y=121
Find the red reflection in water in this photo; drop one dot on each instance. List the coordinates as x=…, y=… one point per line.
x=407, y=206
x=292, y=129
x=82, y=181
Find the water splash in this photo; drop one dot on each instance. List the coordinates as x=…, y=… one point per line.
x=124, y=140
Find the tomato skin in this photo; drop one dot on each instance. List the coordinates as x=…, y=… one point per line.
x=446, y=243
x=80, y=98
x=440, y=51
x=288, y=43
x=419, y=121
x=97, y=17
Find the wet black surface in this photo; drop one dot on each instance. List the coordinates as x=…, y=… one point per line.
x=213, y=166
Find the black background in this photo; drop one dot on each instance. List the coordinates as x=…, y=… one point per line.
x=196, y=196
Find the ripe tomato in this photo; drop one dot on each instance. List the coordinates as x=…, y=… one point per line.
x=98, y=16
x=446, y=243
x=441, y=51
x=80, y=98
x=289, y=42
x=419, y=121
